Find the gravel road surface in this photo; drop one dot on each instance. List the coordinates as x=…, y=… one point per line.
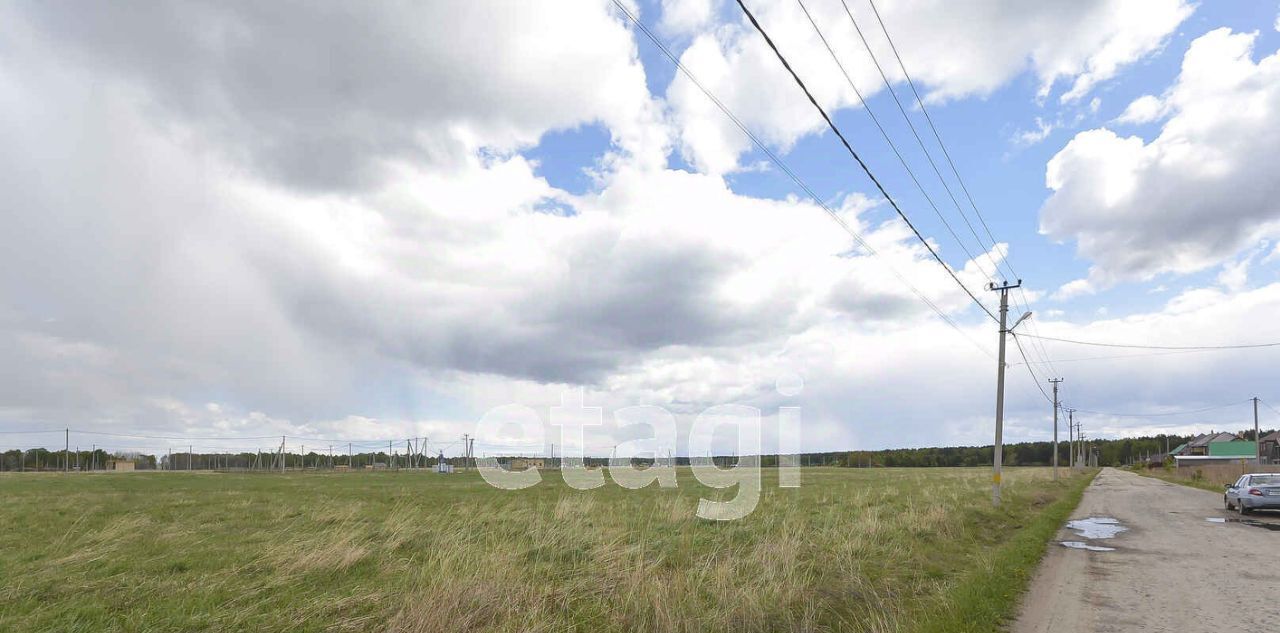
x=1183, y=564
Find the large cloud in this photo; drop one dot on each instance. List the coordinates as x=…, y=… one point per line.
x=1195, y=195
x=147, y=263
x=182, y=267
x=322, y=97
x=953, y=49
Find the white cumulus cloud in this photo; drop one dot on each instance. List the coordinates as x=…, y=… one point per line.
x=1198, y=193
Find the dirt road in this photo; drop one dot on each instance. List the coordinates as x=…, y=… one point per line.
x=1173, y=569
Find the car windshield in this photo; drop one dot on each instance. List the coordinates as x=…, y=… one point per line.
x=1265, y=480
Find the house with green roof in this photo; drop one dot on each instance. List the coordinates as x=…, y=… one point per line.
x=1220, y=451
x=1234, y=448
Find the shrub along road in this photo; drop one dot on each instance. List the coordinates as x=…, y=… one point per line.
x=1183, y=564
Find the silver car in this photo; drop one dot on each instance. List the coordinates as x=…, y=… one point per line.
x=1257, y=491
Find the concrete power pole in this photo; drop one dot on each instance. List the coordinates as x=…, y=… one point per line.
x=466, y=451
x=1071, y=438
x=1257, y=439
x=998, y=451
x=66, y=451
x=1055, y=382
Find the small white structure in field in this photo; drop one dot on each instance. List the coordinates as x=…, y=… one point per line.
x=443, y=466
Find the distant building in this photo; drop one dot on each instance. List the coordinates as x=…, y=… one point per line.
x=120, y=465
x=525, y=463
x=1200, y=445
x=1271, y=448
x=1233, y=451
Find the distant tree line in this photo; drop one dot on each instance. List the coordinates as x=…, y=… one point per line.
x=1118, y=452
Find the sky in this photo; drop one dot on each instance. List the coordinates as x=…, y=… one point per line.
x=357, y=221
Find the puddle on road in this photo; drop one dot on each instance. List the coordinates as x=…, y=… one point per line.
x=1093, y=528
x=1274, y=527
x=1096, y=527
x=1086, y=546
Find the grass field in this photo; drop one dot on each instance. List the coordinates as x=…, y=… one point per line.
x=853, y=549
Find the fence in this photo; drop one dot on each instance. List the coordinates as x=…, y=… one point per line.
x=1219, y=474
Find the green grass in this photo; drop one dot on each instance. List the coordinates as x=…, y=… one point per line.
x=853, y=549
x=1173, y=478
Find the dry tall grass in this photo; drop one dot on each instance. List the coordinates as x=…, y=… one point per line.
x=416, y=552
x=1221, y=474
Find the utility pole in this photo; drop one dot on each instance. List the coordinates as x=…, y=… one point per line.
x=466, y=451
x=1003, y=289
x=1257, y=439
x=66, y=451
x=190, y=450
x=350, y=464
x=1055, y=382
x=1071, y=438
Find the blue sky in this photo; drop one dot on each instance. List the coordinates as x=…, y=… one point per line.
x=1005, y=176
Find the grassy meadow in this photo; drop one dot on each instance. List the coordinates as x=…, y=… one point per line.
x=852, y=549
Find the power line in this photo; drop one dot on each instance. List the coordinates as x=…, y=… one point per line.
x=1165, y=414
x=1122, y=356
x=1036, y=346
x=1034, y=378
x=796, y=178
x=932, y=127
x=1264, y=403
x=889, y=87
x=1164, y=347
x=170, y=437
x=858, y=159
x=866, y=107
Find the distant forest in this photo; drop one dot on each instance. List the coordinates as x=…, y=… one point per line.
x=1110, y=453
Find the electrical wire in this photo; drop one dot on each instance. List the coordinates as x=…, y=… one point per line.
x=795, y=178
x=169, y=437
x=1163, y=347
x=1160, y=415
x=1034, y=378
x=1122, y=356
x=849, y=148
x=866, y=107
x=889, y=87
x=1264, y=403
x=1036, y=346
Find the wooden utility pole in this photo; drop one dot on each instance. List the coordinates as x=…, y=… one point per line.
x=1055, y=382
